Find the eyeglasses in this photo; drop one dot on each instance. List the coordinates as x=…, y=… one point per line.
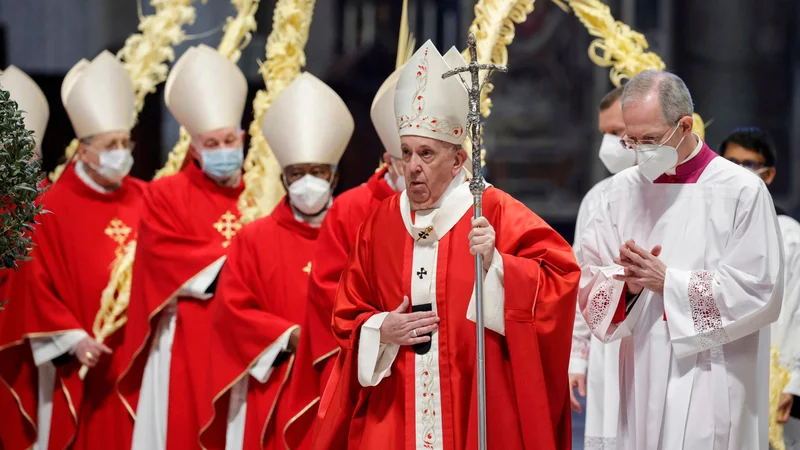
x=755, y=166
x=633, y=144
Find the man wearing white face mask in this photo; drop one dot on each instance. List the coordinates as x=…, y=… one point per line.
x=683, y=263
x=262, y=290
x=590, y=355
x=338, y=235
x=94, y=210
x=753, y=149
x=188, y=223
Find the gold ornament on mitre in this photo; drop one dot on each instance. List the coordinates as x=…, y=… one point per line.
x=205, y=91
x=30, y=100
x=98, y=96
x=307, y=123
x=427, y=105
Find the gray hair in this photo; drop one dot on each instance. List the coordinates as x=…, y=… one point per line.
x=673, y=95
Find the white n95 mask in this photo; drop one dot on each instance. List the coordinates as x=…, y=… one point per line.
x=114, y=164
x=655, y=159
x=310, y=195
x=614, y=155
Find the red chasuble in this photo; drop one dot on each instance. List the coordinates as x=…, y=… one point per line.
x=18, y=430
x=318, y=346
x=187, y=224
x=526, y=370
x=76, y=244
x=262, y=293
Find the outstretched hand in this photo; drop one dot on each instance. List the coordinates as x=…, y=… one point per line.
x=404, y=328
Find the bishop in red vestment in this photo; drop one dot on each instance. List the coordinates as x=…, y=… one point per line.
x=262, y=291
x=93, y=211
x=188, y=223
x=404, y=310
x=336, y=238
x=19, y=430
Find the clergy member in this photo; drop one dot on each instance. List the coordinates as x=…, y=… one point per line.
x=683, y=262
x=19, y=426
x=753, y=149
x=93, y=210
x=262, y=291
x=337, y=236
x=187, y=225
x=602, y=389
x=404, y=309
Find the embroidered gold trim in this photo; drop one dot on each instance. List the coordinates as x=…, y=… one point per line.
x=236, y=380
x=325, y=356
x=19, y=404
x=294, y=419
x=150, y=318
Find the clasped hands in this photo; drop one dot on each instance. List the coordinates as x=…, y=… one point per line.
x=642, y=269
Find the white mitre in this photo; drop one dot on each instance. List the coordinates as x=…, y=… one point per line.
x=307, y=123
x=205, y=91
x=98, y=96
x=383, y=118
x=30, y=100
x=427, y=105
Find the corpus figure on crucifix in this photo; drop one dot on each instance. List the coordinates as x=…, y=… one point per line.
x=406, y=322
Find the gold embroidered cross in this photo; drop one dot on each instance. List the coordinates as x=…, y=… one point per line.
x=118, y=231
x=227, y=225
x=307, y=269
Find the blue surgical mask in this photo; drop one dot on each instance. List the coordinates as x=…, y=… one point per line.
x=222, y=163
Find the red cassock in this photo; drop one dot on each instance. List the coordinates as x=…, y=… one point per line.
x=16, y=363
x=318, y=347
x=526, y=370
x=261, y=295
x=187, y=224
x=75, y=245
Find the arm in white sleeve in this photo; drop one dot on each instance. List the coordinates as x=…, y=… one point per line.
x=48, y=348
x=581, y=344
x=197, y=286
x=374, y=357
x=494, y=295
x=786, y=331
x=600, y=294
x=262, y=368
x=712, y=306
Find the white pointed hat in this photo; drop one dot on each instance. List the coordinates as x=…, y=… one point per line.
x=427, y=105
x=383, y=118
x=98, y=96
x=205, y=91
x=307, y=123
x=30, y=99
x=454, y=59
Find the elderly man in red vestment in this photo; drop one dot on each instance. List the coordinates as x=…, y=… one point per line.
x=93, y=210
x=404, y=310
x=187, y=225
x=262, y=290
x=19, y=430
x=336, y=238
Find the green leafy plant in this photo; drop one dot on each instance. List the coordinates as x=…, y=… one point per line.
x=20, y=177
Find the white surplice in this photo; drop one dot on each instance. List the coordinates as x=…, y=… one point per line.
x=699, y=379
x=596, y=360
x=785, y=333
x=375, y=358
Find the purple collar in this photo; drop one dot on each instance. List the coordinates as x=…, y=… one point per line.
x=690, y=171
